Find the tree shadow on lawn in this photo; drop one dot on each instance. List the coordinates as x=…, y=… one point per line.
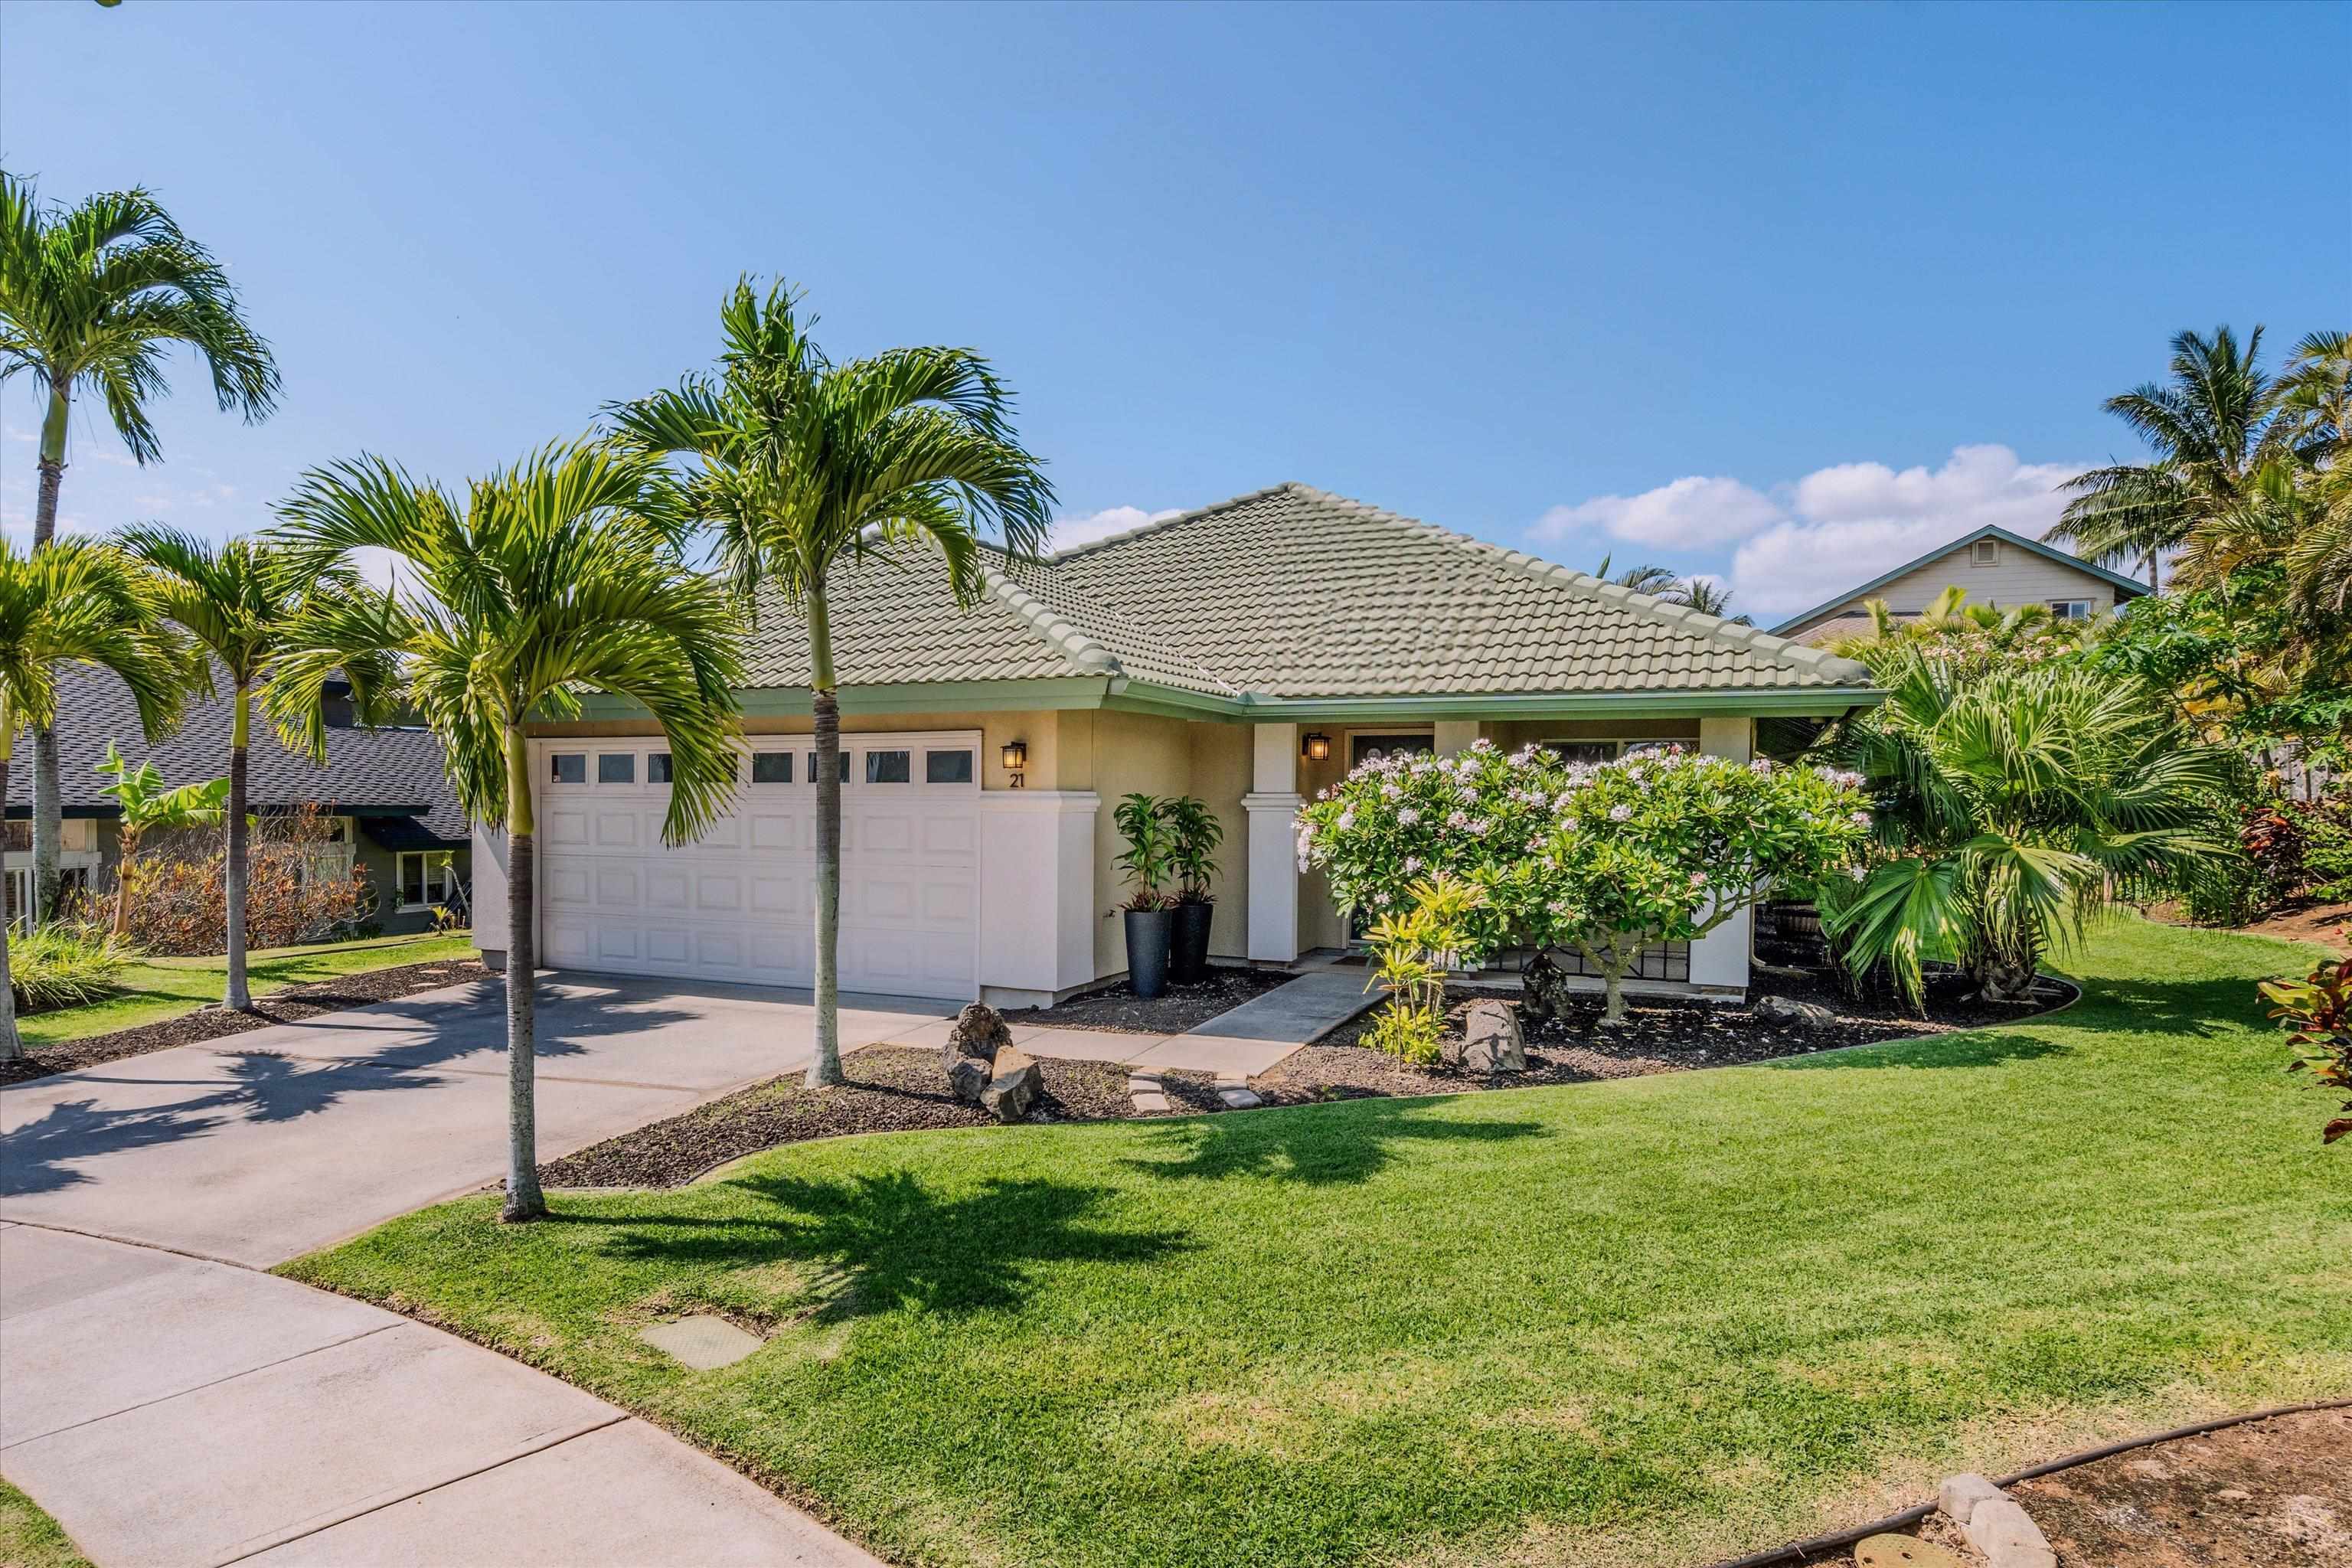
x=900, y=1243
x=1347, y=1141
x=1976, y=1048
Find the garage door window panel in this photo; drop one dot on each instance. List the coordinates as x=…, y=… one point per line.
x=887, y=767
x=772, y=767
x=567, y=767
x=947, y=767
x=616, y=767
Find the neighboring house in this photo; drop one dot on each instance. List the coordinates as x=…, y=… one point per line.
x=391, y=804
x=1248, y=653
x=1996, y=567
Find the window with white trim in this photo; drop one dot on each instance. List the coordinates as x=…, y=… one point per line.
x=2071, y=609
x=423, y=877
x=1985, y=552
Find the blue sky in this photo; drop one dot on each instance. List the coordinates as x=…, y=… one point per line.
x=1777, y=293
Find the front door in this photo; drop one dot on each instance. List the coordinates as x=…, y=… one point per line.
x=1362, y=748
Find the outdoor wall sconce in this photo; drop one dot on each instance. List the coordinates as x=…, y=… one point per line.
x=1318, y=748
x=1016, y=758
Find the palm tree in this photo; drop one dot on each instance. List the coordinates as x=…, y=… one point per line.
x=1643, y=579
x=93, y=300
x=2213, y=426
x=148, y=807
x=1708, y=598
x=2012, y=807
x=799, y=465
x=554, y=577
x=74, y=602
x=247, y=604
x=2315, y=395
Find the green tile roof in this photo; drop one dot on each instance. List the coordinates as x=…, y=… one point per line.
x=1289, y=593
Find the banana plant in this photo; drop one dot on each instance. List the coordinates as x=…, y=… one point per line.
x=147, y=807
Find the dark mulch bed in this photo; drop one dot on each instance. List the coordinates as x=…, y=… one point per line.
x=1664, y=1034
x=2268, y=1494
x=288, y=1006
x=891, y=1088
x=1178, y=1008
x=898, y=1088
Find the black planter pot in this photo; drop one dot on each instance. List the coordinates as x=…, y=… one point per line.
x=1148, y=940
x=1188, y=959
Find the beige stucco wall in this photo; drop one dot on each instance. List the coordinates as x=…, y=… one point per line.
x=2017, y=577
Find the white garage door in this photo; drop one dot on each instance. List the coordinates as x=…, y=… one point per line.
x=739, y=905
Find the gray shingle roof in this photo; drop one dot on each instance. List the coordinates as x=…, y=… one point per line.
x=1290, y=592
x=364, y=768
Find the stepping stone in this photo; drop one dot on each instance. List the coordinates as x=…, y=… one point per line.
x=1239, y=1099
x=1902, y=1551
x=701, y=1343
x=1149, y=1103
x=1145, y=1083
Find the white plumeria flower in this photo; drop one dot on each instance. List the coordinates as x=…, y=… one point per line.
x=1621, y=812
x=1408, y=816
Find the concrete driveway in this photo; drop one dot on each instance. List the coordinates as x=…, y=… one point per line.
x=172, y=1407
x=263, y=1146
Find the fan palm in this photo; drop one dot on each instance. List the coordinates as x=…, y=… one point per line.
x=147, y=807
x=247, y=604
x=93, y=297
x=2012, y=808
x=75, y=602
x=799, y=465
x=553, y=578
x=2212, y=426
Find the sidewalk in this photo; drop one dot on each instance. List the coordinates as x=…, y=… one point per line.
x=171, y=1411
x=170, y=1407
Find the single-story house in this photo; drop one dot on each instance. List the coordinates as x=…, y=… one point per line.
x=385, y=791
x=1996, y=567
x=1247, y=652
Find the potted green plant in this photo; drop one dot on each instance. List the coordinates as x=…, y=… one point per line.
x=1194, y=833
x=1149, y=913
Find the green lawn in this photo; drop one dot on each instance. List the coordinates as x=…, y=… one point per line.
x=159, y=988
x=30, y=1538
x=1645, y=1321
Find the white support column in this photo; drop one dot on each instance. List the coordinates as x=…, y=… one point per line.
x=1273, y=807
x=1718, y=960
x=1038, y=908
x=489, y=872
x=1449, y=736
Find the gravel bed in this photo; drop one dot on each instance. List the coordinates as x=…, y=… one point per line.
x=891, y=1088
x=288, y=1006
x=1175, y=1010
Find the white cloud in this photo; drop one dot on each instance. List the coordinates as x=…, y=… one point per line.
x=1834, y=527
x=1070, y=532
x=1689, y=512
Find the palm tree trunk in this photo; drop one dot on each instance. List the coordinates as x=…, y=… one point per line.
x=11, y=1046
x=824, y=1067
x=233, y=871
x=524, y=1199
x=49, y=817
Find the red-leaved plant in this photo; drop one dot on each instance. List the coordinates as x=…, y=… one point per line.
x=2317, y=1013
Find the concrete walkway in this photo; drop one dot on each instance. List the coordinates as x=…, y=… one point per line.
x=1235, y=1046
x=170, y=1408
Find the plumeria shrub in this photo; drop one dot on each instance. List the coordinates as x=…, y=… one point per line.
x=1601, y=858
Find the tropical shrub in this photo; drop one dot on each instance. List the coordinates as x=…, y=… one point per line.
x=1150, y=856
x=1412, y=949
x=1603, y=858
x=2317, y=1013
x=65, y=966
x=2014, y=807
x=1193, y=835
x=2326, y=860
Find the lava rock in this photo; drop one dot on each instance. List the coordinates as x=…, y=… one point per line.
x=1788, y=1010
x=1015, y=1091
x=1546, y=991
x=1491, y=1042
x=969, y=1059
